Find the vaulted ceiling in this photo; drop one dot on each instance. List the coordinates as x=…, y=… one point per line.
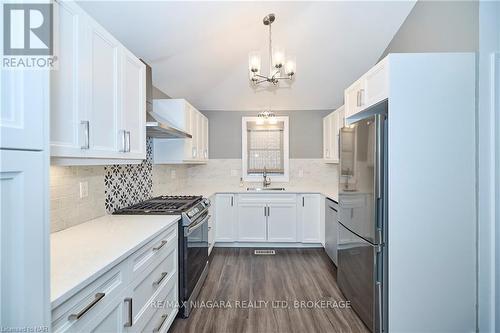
x=199, y=50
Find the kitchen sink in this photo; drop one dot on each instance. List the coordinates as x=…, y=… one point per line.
x=265, y=188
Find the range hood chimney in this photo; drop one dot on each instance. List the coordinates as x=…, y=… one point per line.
x=156, y=126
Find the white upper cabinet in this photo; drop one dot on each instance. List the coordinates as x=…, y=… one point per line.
x=353, y=98
x=67, y=113
x=370, y=89
x=133, y=99
x=98, y=94
x=104, y=93
x=182, y=115
x=331, y=135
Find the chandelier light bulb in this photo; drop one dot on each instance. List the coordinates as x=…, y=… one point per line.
x=291, y=66
x=254, y=62
x=278, y=57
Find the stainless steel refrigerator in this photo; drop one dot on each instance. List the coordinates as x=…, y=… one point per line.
x=362, y=252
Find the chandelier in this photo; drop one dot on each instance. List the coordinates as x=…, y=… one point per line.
x=280, y=68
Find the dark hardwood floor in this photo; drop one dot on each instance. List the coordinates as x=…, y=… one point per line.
x=237, y=275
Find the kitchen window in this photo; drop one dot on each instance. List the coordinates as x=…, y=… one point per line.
x=265, y=148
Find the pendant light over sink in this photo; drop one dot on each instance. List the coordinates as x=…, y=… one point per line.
x=280, y=66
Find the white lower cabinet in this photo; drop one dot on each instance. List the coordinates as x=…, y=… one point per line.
x=137, y=295
x=269, y=218
x=282, y=222
x=310, y=217
x=252, y=222
x=225, y=214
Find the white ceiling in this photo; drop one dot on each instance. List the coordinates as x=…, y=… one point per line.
x=199, y=50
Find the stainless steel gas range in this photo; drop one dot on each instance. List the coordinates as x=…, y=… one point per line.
x=193, y=240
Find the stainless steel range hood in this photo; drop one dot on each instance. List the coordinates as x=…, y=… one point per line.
x=156, y=126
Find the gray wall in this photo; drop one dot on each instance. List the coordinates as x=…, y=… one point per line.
x=306, y=133
x=438, y=26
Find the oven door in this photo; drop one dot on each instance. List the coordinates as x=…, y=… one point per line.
x=196, y=252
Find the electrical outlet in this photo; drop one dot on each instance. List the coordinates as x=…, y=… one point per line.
x=173, y=174
x=234, y=172
x=301, y=173
x=84, y=189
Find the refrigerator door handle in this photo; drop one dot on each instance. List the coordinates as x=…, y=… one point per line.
x=379, y=299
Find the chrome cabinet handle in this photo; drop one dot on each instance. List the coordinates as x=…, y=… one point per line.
x=124, y=141
x=128, y=141
x=232, y=201
x=160, y=324
x=361, y=97
x=357, y=98
x=265, y=211
x=303, y=201
x=162, y=244
x=76, y=316
x=158, y=282
x=130, y=315
x=86, y=123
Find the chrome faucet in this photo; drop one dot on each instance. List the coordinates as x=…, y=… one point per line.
x=266, y=181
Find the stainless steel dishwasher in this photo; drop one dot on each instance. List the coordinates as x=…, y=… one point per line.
x=331, y=229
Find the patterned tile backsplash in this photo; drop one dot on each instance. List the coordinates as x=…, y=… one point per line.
x=127, y=184
x=116, y=186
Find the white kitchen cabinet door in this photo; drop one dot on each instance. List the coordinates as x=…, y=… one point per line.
x=377, y=83
x=68, y=83
x=354, y=98
x=133, y=106
x=282, y=222
x=104, y=96
x=24, y=98
x=252, y=222
x=226, y=219
x=310, y=218
x=24, y=235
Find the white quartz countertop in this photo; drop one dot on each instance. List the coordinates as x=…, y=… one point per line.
x=209, y=191
x=81, y=253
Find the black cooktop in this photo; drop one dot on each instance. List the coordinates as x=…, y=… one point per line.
x=162, y=205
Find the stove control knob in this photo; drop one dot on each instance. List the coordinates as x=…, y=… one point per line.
x=190, y=213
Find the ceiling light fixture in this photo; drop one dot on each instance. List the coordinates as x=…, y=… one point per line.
x=266, y=116
x=280, y=67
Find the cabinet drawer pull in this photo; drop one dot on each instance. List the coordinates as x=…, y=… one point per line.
x=162, y=321
x=162, y=244
x=76, y=316
x=130, y=315
x=158, y=282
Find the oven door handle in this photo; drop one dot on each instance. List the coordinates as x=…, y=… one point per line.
x=190, y=230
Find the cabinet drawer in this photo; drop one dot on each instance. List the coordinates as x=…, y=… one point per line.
x=267, y=198
x=152, y=280
x=159, y=313
x=159, y=246
x=82, y=307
